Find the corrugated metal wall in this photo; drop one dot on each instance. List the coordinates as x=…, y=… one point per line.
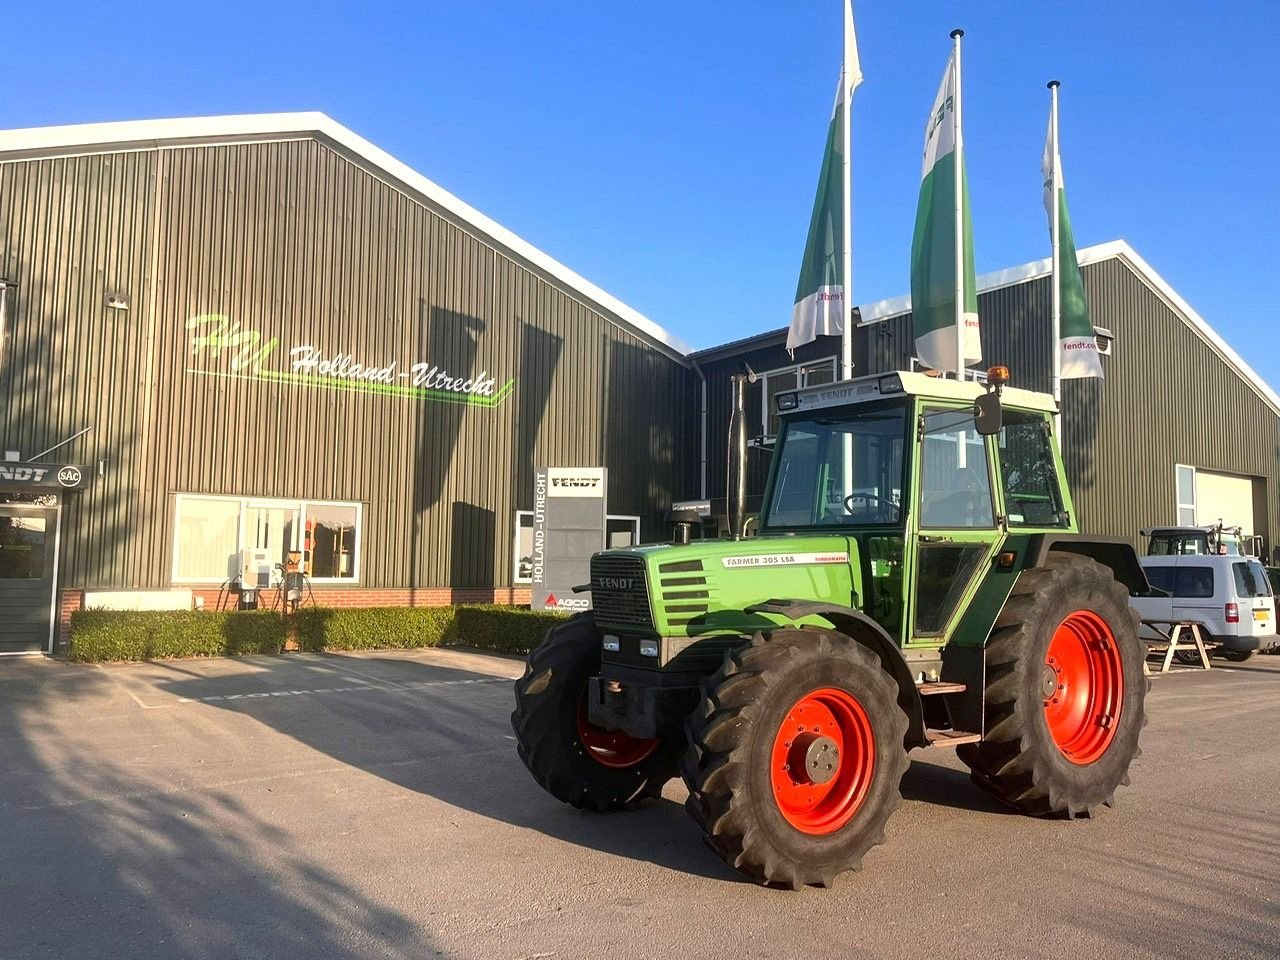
x=1168, y=398
x=296, y=241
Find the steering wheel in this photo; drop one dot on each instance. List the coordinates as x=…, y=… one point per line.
x=886, y=509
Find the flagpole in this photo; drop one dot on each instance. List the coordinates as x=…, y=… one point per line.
x=959, y=191
x=846, y=253
x=1055, y=206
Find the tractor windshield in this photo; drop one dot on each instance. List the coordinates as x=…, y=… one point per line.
x=844, y=471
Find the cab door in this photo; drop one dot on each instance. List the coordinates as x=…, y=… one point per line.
x=956, y=528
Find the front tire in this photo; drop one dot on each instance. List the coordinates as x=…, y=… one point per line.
x=573, y=760
x=1065, y=692
x=796, y=756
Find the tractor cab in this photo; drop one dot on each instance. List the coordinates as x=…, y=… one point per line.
x=921, y=474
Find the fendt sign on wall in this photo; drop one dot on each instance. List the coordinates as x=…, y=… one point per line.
x=569, y=510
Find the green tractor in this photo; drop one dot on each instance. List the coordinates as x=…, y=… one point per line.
x=918, y=580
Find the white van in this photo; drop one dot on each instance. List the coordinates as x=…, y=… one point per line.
x=1229, y=596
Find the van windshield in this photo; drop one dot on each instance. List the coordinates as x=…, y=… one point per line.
x=1251, y=579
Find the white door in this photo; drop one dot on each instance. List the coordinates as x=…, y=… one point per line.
x=1220, y=496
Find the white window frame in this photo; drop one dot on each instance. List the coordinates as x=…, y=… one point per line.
x=635, y=526
x=271, y=503
x=801, y=371
x=515, y=549
x=1179, y=505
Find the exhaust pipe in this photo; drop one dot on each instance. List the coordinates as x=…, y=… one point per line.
x=736, y=494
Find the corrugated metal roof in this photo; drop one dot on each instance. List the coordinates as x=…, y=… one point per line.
x=154, y=134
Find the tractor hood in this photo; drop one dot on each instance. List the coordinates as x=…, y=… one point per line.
x=698, y=588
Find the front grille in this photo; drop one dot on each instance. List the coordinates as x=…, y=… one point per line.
x=619, y=591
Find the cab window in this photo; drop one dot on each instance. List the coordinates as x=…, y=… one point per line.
x=955, y=487
x=1031, y=492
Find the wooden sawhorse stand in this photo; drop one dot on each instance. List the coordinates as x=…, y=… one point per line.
x=1171, y=639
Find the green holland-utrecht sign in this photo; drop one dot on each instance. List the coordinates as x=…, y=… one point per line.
x=221, y=347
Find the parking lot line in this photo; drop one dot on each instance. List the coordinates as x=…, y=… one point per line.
x=357, y=688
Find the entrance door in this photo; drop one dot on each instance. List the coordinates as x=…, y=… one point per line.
x=957, y=524
x=28, y=536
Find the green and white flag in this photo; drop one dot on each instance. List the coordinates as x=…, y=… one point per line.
x=820, y=305
x=1077, y=342
x=934, y=260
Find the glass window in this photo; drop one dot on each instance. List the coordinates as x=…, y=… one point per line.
x=1193, y=582
x=1031, y=492
x=761, y=395
x=811, y=485
x=621, y=531
x=955, y=487
x=331, y=530
x=1160, y=578
x=210, y=532
x=945, y=572
x=22, y=547
x=1185, y=478
x=523, y=548
x=1251, y=579
x=208, y=538
x=776, y=383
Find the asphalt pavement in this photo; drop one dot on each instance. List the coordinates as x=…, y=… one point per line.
x=372, y=806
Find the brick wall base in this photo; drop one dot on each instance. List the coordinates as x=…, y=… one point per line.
x=72, y=599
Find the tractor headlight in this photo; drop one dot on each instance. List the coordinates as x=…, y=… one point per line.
x=611, y=644
x=648, y=648
x=787, y=401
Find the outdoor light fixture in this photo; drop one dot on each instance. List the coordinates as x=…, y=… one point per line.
x=891, y=384
x=117, y=300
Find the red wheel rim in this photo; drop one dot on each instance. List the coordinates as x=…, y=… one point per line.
x=611, y=748
x=1083, y=687
x=823, y=759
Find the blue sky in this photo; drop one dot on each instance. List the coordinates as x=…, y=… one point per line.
x=669, y=151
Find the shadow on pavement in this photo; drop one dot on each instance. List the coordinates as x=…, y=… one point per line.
x=101, y=856
x=444, y=732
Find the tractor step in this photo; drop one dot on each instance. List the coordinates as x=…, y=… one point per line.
x=951, y=738
x=934, y=688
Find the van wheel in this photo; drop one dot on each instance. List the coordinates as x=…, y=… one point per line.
x=1236, y=656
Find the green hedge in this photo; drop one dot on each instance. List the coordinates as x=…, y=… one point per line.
x=153, y=634
x=146, y=635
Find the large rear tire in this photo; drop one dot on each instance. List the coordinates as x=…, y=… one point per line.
x=575, y=761
x=1064, y=693
x=796, y=756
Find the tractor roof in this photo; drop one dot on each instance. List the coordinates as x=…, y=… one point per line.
x=886, y=385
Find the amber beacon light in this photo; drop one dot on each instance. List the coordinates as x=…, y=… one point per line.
x=998, y=375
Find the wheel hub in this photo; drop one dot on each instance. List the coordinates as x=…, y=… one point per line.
x=822, y=761
x=1049, y=682
x=814, y=758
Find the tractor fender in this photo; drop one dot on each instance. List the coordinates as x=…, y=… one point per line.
x=861, y=628
x=1114, y=553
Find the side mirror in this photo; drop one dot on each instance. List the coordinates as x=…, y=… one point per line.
x=988, y=415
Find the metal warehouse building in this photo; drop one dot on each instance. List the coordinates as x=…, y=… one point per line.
x=265, y=332
x=281, y=337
